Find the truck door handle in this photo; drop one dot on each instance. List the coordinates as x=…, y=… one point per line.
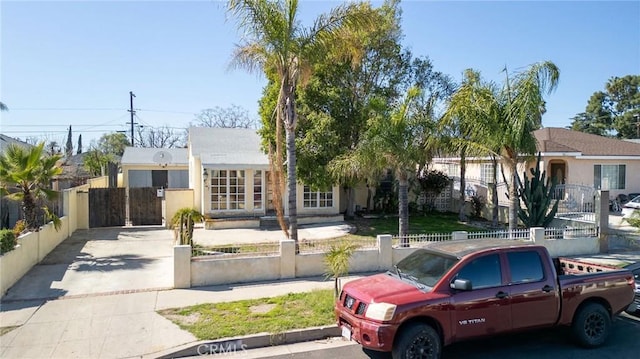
x=501, y=295
x=547, y=288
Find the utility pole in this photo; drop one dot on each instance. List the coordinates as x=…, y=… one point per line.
x=131, y=96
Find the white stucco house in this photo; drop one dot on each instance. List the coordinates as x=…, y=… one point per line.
x=571, y=157
x=228, y=174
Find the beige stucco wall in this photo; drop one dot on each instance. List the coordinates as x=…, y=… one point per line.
x=31, y=249
x=15, y=264
x=174, y=200
x=98, y=182
x=239, y=270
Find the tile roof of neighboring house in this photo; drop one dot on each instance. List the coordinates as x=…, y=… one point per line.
x=553, y=139
x=227, y=146
x=6, y=140
x=155, y=156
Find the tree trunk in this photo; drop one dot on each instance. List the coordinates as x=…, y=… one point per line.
x=494, y=196
x=290, y=126
x=513, y=197
x=403, y=208
x=29, y=208
x=463, y=187
x=351, y=203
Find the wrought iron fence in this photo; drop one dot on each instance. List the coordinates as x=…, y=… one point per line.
x=502, y=234
x=236, y=250
x=419, y=239
x=571, y=232
x=324, y=245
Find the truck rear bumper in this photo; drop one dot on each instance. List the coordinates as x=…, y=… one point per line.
x=371, y=335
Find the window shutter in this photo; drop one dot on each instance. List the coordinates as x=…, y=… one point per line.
x=597, y=180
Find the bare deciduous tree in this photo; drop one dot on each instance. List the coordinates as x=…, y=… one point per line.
x=233, y=116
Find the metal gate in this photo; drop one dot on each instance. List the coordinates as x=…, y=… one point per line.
x=145, y=207
x=107, y=207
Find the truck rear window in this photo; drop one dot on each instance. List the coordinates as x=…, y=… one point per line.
x=426, y=267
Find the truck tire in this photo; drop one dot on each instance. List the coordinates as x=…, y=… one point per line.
x=417, y=341
x=591, y=325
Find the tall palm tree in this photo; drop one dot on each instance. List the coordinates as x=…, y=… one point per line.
x=471, y=114
x=30, y=170
x=523, y=106
x=276, y=43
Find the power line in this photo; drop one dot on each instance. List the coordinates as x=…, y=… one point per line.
x=65, y=109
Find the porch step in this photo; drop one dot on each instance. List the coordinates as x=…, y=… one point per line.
x=271, y=222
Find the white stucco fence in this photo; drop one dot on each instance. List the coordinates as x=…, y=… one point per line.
x=216, y=270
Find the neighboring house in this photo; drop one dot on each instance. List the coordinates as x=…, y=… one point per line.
x=73, y=173
x=229, y=174
x=570, y=157
x=155, y=167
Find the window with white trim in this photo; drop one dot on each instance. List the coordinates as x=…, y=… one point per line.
x=486, y=173
x=453, y=169
x=227, y=189
x=606, y=177
x=317, y=199
x=257, y=189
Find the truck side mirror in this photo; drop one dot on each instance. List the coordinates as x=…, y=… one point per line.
x=461, y=284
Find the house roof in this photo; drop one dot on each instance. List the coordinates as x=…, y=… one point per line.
x=155, y=156
x=552, y=139
x=6, y=140
x=227, y=147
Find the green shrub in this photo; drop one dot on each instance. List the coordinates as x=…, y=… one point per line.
x=7, y=241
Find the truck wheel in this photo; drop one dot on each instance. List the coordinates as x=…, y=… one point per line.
x=591, y=326
x=417, y=341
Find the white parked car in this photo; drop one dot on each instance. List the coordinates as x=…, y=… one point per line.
x=631, y=207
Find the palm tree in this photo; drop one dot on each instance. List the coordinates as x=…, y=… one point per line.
x=523, y=106
x=30, y=170
x=470, y=115
x=502, y=122
x=390, y=143
x=277, y=44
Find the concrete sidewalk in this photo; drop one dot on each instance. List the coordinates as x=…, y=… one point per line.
x=119, y=325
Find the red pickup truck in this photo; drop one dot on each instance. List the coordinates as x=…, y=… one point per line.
x=453, y=291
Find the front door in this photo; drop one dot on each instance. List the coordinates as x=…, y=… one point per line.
x=559, y=172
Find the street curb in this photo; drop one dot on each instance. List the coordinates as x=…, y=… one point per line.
x=241, y=343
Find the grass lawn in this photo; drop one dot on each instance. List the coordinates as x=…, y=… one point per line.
x=272, y=315
x=435, y=222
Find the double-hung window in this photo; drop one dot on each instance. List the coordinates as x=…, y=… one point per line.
x=608, y=177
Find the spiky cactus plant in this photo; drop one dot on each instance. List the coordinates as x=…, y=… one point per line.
x=537, y=196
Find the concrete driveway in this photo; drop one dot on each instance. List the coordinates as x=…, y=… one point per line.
x=101, y=261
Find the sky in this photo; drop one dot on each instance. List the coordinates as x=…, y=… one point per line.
x=75, y=62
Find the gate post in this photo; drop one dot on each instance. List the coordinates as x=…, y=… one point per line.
x=602, y=220
x=182, y=266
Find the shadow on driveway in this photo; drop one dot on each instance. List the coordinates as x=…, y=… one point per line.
x=102, y=260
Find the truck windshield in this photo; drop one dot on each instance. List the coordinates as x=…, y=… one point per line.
x=425, y=267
